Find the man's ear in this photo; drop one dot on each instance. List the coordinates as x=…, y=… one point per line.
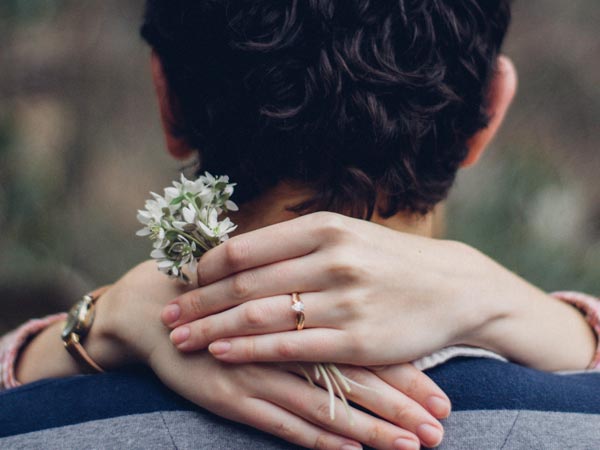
x=502, y=91
x=177, y=146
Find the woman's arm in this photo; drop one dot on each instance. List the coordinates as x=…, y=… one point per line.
x=12, y=343
x=276, y=400
x=372, y=296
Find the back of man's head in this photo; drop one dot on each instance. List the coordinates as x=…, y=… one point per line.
x=361, y=100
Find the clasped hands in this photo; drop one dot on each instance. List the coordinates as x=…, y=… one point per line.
x=372, y=298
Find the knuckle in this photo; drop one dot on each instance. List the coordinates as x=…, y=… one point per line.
x=236, y=253
x=374, y=435
x=284, y=431
x=249, y=350
x=255, y=316
x=320, y=217
x=345, y=269
x=205, y=334
x=287, y=350
x=330, y=225
x=413, y=381
x=241, y=285
x=413, y=386
x=197, y=305
x=323, y=414
x=401, y=414
x=348, y=308
x=322, y=442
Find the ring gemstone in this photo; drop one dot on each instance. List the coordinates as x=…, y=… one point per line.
x=298, y=307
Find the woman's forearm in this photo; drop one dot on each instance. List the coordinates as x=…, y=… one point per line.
x=45, y=355
x=373, y=296
x=533, y=328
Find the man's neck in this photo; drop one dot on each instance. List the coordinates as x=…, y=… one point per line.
x=273, y=207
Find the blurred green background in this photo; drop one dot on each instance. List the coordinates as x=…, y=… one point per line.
x=80, y=147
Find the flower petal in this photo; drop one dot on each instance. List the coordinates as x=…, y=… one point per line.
x=143, y=232
x=231, y=206
x=158, y=254
x=189, y=215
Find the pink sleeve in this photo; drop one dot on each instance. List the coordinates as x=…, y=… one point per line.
x=590, y=306
x=12, y=343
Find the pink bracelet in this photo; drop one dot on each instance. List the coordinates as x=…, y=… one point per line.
x=590, y=306
x=12, y=343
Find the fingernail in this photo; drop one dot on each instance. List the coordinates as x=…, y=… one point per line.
x=171, y=314
x=430, y=435
x=219, y=348
x=350, y=447
x=438, y=406
x=406, y=444
x=180, y=335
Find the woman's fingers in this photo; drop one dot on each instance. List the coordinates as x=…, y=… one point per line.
x=318, y=344
x=273, y=419
x=256, y=317
x=393, y=404
x=294, y=275
x=258, y=248
x=418, y=386
x=314, y=405
x=284, y=240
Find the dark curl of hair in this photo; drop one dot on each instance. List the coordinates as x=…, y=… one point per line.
x=364, y=101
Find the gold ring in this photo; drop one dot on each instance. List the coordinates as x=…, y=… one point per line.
x=298, y=307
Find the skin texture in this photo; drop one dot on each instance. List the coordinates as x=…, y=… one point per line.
x=273, y=398
x=371, y=296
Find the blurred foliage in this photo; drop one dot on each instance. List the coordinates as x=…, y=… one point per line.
x=80, y=147
x=519, y=211
x=20, y=11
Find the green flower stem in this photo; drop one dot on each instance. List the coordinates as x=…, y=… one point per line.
x=191, y=238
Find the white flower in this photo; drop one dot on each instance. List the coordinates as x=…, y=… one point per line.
x=209, y=221
x=230, y=206
x=193, y=187
x=171, y=193
x=189, y=214
x=225, y=227
x=185, y=222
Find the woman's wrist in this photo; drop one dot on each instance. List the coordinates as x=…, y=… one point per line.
x=112, y=341
x=526, y=325
x=103, y=342
x=474, y=284
x=45, y=355
x=128, y=325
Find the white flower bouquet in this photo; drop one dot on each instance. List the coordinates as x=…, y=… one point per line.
x=184, y=222
x=187, y=221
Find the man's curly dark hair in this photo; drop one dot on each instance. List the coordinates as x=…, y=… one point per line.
x=364, y=101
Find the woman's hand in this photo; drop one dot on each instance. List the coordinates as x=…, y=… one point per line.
x=281, y=402
x=372, y=296
x=271, y=398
